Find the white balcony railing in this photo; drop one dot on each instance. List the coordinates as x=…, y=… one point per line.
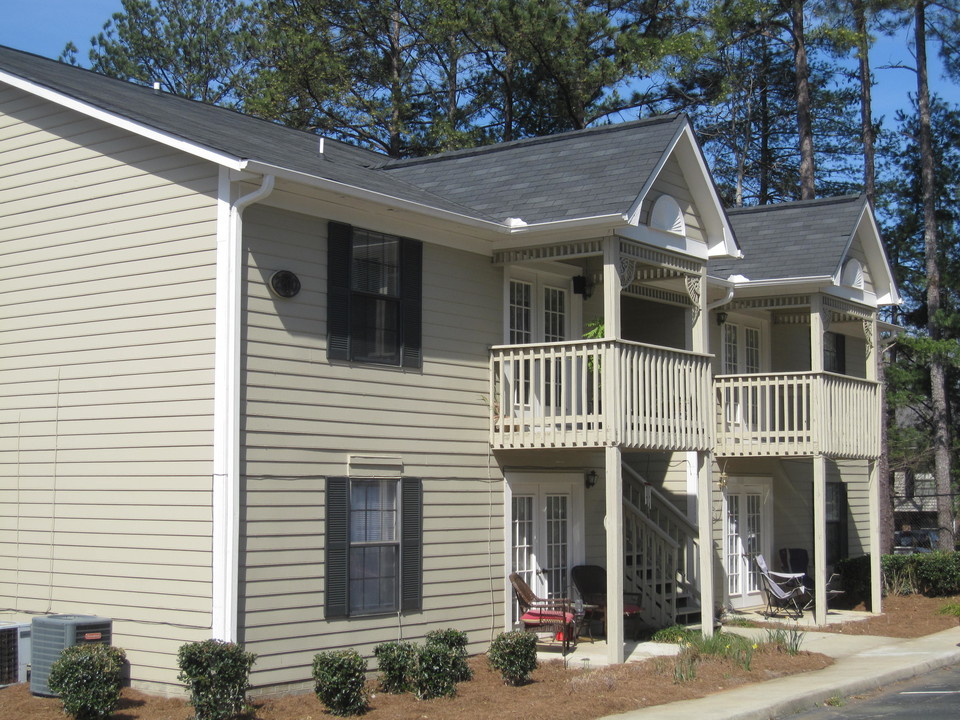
x=590, y=393
x=797, y=414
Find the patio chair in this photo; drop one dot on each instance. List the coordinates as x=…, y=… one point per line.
x=797, y=561
x=553, y=615
x=786, y=595
x=591, y=584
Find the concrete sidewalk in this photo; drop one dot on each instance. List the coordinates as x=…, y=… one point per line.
x=862, y=663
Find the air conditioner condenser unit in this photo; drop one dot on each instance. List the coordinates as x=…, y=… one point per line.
x=52, y=634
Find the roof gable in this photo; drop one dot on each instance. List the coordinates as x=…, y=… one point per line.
x=807, y=240
x=588, y=173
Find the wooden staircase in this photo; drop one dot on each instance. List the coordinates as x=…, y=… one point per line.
x=660, y=555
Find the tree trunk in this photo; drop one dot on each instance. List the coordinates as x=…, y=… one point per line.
x=867, y=133
x=804, y=119
x=938, y=387
x=866, y=110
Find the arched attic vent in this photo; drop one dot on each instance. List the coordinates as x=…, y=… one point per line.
x=852, y=274
x=667, y=215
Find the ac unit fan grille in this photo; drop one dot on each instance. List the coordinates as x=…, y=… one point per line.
x=9, y=660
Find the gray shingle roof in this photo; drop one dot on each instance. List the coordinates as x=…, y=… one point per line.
x=225, y=131
x=592, y=172
x=577, y=174
x=791, y=240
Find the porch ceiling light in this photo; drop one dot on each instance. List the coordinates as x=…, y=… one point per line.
x=590, y=479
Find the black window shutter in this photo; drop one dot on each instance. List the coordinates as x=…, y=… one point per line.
x=841, y=354
x=339, y=259
x=337, y=566
x=411, y=544
x=411, y=282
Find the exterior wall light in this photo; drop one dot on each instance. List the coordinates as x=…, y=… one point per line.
x=721, y=318
x=590, y=479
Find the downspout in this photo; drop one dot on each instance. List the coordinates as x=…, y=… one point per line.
x=722, y=301
x=225, y=561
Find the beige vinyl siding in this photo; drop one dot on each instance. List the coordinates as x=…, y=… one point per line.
x=856, y=475
x=789, y=347
x=304, y=418
x=671, y=182
x=107, y=284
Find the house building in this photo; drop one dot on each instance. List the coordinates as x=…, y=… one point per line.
x=271, y=388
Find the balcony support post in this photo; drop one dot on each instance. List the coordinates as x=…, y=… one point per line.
x=705, y=527
x=820, y=537
x=613, y=524
x=876, y=578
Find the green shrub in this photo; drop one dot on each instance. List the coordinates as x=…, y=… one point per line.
x=514, y=656
x=933, y=574
x=899, y=576
x=396, y=661
x=675, y=634
x=435, y=671
x=88, y=679
x=456, y=642
x=937, y=573
x=217, y=675
x=340, y=676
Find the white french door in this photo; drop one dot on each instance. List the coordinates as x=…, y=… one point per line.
x=747, y=526
x=544, y=521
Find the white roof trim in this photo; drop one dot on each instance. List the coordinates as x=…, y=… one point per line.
x=720, y=241
x=883, y=282
x=512, y=226
x=89, y=110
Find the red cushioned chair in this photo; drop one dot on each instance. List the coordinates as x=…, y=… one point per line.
x=554, y=615
x=591, y=584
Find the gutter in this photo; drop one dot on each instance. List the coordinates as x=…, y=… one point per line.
x=511, y=227
x=225, y=561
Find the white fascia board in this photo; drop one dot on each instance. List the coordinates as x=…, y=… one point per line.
x=815, y=282
x=664, y=240
x=123, y=123
x=704, y=193
x=516, y=228
x=876, y=257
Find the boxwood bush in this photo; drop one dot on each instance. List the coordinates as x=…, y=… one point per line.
x=514, y=656
x=435, y=672
x=396, y=661
x=340, y=678
x=456, y=642
x=217, y=675
x=88, y=679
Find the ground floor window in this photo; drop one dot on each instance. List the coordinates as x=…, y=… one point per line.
x=374, y=546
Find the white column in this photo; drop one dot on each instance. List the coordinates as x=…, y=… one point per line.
x=820, y=537
x=705, y=526
x=613, y=524
x=876, y=580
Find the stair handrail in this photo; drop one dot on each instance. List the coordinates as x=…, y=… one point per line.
x=678, y=516
x=642, y=516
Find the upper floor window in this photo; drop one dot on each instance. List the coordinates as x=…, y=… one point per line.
x=373, y=297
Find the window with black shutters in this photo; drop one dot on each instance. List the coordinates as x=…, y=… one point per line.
x=373, y=297
x=374, y=559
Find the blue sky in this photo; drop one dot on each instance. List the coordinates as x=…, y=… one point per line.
x=44, y=27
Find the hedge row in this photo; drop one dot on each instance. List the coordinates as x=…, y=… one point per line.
x=934, y=574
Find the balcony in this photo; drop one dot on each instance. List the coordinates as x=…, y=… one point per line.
x=802, y=413
x=591, y=393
